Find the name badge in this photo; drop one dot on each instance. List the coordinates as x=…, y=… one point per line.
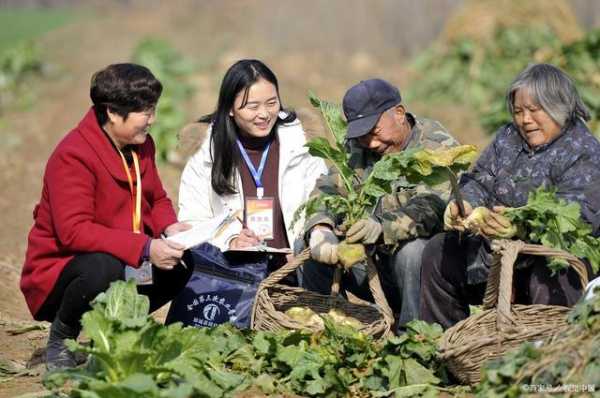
x=259, y=216
x=141, y=275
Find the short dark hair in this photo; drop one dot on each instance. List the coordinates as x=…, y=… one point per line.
x=238, y=78
x=123, y=88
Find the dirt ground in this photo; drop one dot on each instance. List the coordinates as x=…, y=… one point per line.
x=74, y=52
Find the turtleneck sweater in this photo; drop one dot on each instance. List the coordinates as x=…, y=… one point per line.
x=255, y=147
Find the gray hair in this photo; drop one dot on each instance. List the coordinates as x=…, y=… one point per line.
x=553, y=90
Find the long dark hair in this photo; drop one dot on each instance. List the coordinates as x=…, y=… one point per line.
x=223, y=149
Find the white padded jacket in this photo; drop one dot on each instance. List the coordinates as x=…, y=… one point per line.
x=298, y=172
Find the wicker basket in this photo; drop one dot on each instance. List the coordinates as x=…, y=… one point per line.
x=273, y=299
x=502, y=326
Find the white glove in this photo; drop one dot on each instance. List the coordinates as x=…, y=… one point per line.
x=323, y=246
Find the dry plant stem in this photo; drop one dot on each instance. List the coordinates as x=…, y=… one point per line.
x=557, y=349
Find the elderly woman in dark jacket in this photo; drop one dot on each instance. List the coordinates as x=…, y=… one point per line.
x=547, y=144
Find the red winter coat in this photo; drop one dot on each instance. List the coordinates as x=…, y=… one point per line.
x=86, y=206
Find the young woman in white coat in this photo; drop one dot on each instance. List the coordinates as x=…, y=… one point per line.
x=253, y=160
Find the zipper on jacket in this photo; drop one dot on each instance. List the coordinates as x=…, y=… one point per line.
x=226, y=274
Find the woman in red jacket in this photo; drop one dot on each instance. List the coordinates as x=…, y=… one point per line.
x=103, y=208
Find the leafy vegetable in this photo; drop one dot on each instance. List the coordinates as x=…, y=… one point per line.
x=415, y=164
x=357, y=196
x=333, y=118
x=18, y=63
x=567, y=363
x=553, y=222
x=134, y=356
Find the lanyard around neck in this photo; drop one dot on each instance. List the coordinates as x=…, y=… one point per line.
x=256, y=174
x=136, y=196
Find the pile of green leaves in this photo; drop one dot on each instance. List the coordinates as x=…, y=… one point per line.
x=132, y=355
x=21, y=60
x=552, y=222
x=569, y=359
x=17, y=64
x=478, y=73
x=415, y=165
x=173, y=70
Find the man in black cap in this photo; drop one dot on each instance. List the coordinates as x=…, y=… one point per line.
x=401, y=223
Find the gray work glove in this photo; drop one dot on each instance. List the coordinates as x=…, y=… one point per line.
x=366, y=231
x=323, y=246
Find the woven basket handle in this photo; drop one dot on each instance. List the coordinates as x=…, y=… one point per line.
x=377, y=292
x=290, y=267
x=337, y=281
x=286, y=269
x=499, y=289
x=276, y=276
x=372, y=274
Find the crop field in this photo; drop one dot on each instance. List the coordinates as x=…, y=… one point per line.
x=23, y=24
x=48, y=54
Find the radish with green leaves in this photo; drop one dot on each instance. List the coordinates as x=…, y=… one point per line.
x=417, y=165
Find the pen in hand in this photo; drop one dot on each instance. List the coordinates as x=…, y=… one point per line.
x=246, y=238
x=241, y=221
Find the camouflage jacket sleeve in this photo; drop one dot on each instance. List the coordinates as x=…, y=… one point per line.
x=410, y=211
x=405, y=217
x=417, y=212
x=327, y=184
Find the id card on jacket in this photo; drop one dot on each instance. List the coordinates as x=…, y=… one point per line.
x=259, y=216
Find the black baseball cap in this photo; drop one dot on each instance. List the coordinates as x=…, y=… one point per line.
x=364, y=103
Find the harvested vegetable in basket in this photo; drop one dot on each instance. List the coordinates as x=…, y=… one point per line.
x=309, y=317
